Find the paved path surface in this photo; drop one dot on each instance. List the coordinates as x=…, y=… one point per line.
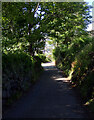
x=50, y=97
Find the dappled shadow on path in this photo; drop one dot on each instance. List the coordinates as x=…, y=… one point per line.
x=51, y=66
x=64, y=102
x=50, y=97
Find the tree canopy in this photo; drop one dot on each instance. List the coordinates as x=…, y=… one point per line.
x=27, y=24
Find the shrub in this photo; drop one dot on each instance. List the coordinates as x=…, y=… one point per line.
x=84, y=71
x=20, y=70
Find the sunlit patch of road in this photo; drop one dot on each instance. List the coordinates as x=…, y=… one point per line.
x=49, y=65
x=63, y=79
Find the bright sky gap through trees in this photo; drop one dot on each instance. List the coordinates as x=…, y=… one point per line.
x=90, y=2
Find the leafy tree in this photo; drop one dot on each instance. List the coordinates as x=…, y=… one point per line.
x=21, y=21
x=69, y=21
x=29, y=23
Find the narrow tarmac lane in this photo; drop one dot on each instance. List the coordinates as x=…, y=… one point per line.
x=50, y=97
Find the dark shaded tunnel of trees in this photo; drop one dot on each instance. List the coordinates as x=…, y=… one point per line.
x=25, y=28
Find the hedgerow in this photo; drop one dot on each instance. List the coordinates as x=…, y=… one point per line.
x=20, y=71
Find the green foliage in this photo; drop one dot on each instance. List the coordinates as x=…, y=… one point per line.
x=66, y=55
x=83, y=60
x=16, y=69
x=43, y=58
x=74, y=48
x=20, y=71
x=83, y=72
x=55, y=52
x=20, y=25
x=91, y=105
x=26, y=25
x=68, y=32
x=21, y=59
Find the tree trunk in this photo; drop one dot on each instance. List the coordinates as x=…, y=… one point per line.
x=31, y=50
